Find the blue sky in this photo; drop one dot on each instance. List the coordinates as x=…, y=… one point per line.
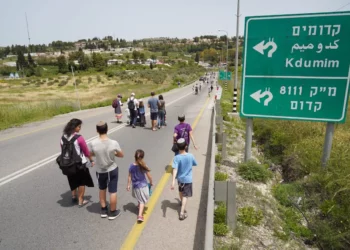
x=70, y=20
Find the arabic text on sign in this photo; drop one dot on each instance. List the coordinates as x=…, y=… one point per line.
x=320, y=47
x=308, y=106
x=314, y=30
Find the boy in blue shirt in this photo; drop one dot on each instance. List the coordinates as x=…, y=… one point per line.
x=182, y=171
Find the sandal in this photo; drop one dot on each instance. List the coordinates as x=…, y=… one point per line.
x=83, y=203
x=74, y=199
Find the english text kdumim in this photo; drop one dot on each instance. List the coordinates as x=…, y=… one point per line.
x=302, y=63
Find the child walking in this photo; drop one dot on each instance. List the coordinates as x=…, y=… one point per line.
x=182, y=171
x=137, y=176
x=142, y=114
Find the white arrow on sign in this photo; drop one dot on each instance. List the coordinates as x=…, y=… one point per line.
x=258, y=95
x=261, y=47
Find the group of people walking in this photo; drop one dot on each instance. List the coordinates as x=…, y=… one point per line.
x=76, y=156
x=136, y=111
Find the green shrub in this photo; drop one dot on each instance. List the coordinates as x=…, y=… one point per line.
x=50, y=83
x=99, y=79
x=78, y=81
x=287, y=193
x=56, y=80
x=249, y=216
x=219, y=147
x=292, y=219
x=50, y=79
x=220, y=213
x=218, y=158
x=220, y=229
x=62, y=83
x=89, y=79
x=252, y=171
x=219, y=176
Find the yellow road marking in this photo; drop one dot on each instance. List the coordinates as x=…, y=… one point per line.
x=137, y=229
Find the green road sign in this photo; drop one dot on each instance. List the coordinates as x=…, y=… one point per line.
x=297, y=70
x=222, y=75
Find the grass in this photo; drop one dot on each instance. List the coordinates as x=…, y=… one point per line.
x=220, y=227
x=42, y=99
x=250, y=216
x=252, y=171
x=219, y=176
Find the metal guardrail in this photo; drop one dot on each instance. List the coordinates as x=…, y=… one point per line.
x=209, y=235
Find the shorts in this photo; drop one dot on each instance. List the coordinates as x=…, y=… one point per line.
x=185, y=189
x=109, y=179
x=154, y=116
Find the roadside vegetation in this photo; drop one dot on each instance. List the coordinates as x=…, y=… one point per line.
x=37, y=98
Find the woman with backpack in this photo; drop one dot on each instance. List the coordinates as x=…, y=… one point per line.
x=78, y=174
x=182, y=130
x=117, y=108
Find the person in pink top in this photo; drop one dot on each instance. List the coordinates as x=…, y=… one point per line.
x=82, y=177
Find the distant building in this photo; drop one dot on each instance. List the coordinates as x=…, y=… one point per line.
x=10, y=64
x=114, y=61
x=79, y=45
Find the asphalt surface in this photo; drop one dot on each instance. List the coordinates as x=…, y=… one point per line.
x=36, y=210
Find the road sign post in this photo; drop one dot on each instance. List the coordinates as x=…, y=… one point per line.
x=299, y=70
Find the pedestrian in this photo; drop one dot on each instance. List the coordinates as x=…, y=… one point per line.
x=161, y=112
x=142, y=112
x=182, y=171
x=153, y=104
x=105, y=152
x=132, y=106
x=183, y=130
x=117, y=103
x=81, y=176
x=137, y=176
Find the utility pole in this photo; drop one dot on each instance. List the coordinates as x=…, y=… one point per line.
x=226, y=55
x=234, y=109
x=28, y=33
x=75, y=86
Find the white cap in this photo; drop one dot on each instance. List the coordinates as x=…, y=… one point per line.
x=181, y=140
x=132, y=94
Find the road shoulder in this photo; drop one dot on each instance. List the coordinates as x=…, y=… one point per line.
x=164, y=230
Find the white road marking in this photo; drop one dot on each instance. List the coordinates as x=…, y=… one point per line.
x=51, y=158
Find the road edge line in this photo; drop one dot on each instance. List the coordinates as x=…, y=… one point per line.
x=135, y=232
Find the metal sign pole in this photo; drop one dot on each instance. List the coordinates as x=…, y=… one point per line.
x=248, y=139
x=328, y=140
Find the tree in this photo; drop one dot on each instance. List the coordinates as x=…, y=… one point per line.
x=98, y=61
x=62, y=64
x=164, y=53
x=196, y=39
x=151, y=66
x=142, y=57
x=154, y=57
x=135, y=54
x=31, y=61
x=21, y=62
x=197, y=57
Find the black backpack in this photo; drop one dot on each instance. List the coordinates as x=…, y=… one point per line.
x=131, y=104
x=69, y=160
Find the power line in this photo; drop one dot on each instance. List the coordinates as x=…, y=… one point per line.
x=343, y=6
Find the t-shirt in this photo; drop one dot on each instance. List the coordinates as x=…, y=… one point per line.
x=183, y=131
x=136, y=102
x=161, y=105
x=153, y=103
x=184, y=163
x=104, y=151
x=138, y=176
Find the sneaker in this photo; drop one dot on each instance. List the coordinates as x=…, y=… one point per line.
x=104, y=212
x=133, y=126
x=183, y=216
x=114, y=214
x=140, y=218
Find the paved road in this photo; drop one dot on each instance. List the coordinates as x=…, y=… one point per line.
x=35, y=208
